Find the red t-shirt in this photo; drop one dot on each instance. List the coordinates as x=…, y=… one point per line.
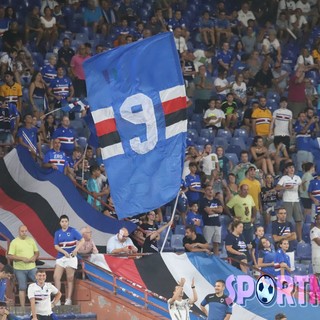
x=296, y=91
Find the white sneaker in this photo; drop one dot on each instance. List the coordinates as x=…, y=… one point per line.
x=68, y=302
x=58, y=303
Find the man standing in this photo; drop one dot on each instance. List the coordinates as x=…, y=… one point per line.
x=211, y=209
x=290, y=183
x=243, y=207
x=194, y=242
x=39, y=294
x=193, y=183
x=24, y=252
x=209, y=161
x=11, y=90
x=315, y=246
x=314, y=194
x=88, y=246
x=55, y=159
x=241, y=168
x=121, y=243
x=178, y=307
x=261, y=119
x=219, y=308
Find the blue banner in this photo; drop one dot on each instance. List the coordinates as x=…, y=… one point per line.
x=138, y=103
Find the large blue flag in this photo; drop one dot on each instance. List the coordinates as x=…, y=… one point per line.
x=138, y=103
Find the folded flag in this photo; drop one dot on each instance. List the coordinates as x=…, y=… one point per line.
x=138, y=103
x=75, y=106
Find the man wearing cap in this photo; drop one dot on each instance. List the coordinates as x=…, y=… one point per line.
x=281, y=124
x=241, y=168
x=290, y=183
x=314, y=194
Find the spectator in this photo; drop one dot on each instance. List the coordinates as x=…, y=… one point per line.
x=195, y=242
x=150, y=223
x=236, y=247
x=23, y=251
x=261, y=119
x=203, y=57
x=239, y=90
x=78, y=72
x=209, y=161
x=258, y=235
x=249, y=41
x=225, y=164
x=47, y=129
x=109, y=17
x=260, y=156
x=50, y=31
x=4, y=22
x=221, y=84
x=214, y=118
x=247, y=117
x=298, y=23
x=280, y=316
x=279, y=156
x=240, y=169
x=203, y=89
x=37, y=94
x=230, y=109
x=11, y=36
x=243, y=209
x=207, y=29
x=8, y=62
x=39, y=294
x=66, y=136
x=11, y=90
x=92, y=16
x=67, y=241
x=264, y=78
x=290, y=183
x=223, y=27
x=224, y=57
x=194, y=218
x=33, y=26
x=49, y=71
x=47, y=3
x=56, y=159
x=244, y=15
x=266, y=257
x=308, y=176
x=211, y=209
x=121, y=243
x=88, y=246
x=271, y=47
x=254, y=187
x=315, y=246
x=269, y=198
x=314, y=194
x=5, y=274
x=282, y=263
x=179, y=40
x=305, y=59
x=231, y=188
x=65, y=55
x=194, y=184
x=280, y=78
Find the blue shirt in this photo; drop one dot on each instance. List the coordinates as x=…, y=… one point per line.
x=226, y=57
x=218, y=306
x=29, y=136
x=303, y=140
x=66, y=137
x=280, y=257
x=3, y=287
x=67, y=240
x=49, y=73
x=61, y=86
x=193, y=182
x=268, y=257
x=191, y=216
x=56, y=157
x=91, y=16
x=314, y=189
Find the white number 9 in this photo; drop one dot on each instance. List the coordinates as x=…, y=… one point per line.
x=145, y=116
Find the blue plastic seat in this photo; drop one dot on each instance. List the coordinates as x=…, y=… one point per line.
x=241, y=133
x=82, y=142
x=177, y=242
x=224, y=133
x=233, y=158
x=220, y=141
x=306, y=232
x=301, y=269
x=207, y=133
x=238, y=141
x=197, y=117
x=179, y=229
x=303, y=251
x=83, y=37
x=192, y=133
x=273, y=95
x=202, y=140
x=234, y=149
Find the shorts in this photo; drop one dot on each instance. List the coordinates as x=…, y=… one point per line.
x=212, y=234
x=22, y=277
x=306, y=202
x=293, y=211
x=316, y=264
x=65, y=262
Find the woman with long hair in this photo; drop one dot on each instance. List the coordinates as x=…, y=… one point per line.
x=266, y=257
x=47, y=128
x=37, y=94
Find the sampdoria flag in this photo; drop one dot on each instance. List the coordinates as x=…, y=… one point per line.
x=138, y=103
x=37, y=197
x=75, y=106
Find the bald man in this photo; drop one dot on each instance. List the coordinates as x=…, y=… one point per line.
x=121, y=243
x=88, y=246
x=24, y=252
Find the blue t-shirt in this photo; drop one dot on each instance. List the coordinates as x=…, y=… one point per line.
x=191, y=217
x=67, y=240
x=226, y=57
x=61, y=87
x=195, y=183
x=29, y=136
x=314, y=189
x=3, y=287
x=218, y=306
x=49, y=73
x=280, y=257
x=237, y=242
x=66, y=137
x=268, y=257
x=303, y=140
x=56, y=157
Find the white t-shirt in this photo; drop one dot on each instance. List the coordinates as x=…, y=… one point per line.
x=305, y=7
x=214, y=114
x=275, y=44
x=209, y=163
x=286, y=5
x=290, y=195
x=48, y=24
x=42, y=296
x=179, y=310
x=302, y=21
x=180, y=44
x=315, y=233
x=244, y=17
x=200, y=59
x=221, y=83
x=305, y=61
x=114, y=243
x=241, y=90
x=281, y=124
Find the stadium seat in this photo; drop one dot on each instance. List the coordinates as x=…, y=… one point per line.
x=301, y=269
x=308, y=218
x=232, y=157
x=273, y=95
x=224, y=134
x=306, y=232
x=194, y=125
x=238, y=141
x=167, y=246
x=197, y=117
x=177, y=242
x=207, y=133
x=45, y=148
x=303, y=251
x=192, y=133
x=234, y=149
x=241, y=133
x=179, y=229
x=220, y=141
x=83, y=37
x=82, y=142
x=203, y=140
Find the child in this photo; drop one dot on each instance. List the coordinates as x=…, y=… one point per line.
x=282, y=261
x=259, y=233
x=193, y=218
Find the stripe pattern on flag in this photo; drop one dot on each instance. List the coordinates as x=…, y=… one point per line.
x=174, y=105
x=109, y=138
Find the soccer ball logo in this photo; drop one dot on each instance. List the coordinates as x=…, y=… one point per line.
x=265, y=289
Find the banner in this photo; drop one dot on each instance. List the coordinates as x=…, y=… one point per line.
x=138, y=103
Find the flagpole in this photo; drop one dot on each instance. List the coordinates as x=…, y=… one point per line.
x=52, y=111
x=84, y=157
x=172, y=217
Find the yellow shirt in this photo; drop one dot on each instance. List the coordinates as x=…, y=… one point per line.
x=23, y=248
x=254, y=190
x=263, y=121
x=242, y=207
x=12, y=93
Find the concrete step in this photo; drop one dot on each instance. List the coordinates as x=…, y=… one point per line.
x=86, y=316
x=75, y=309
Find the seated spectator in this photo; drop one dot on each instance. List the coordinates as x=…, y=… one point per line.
x=47, y=3
x=50, y=31
x=223, y=27
x=56, y=159
x=254, y=64
x=260, y=156
x=178, y=21
x=213, y=117
x=49, y=71
x=239, y=90
x=8, y=62
x=280, y=78
x=240, y=169
x=298, y=23
x=244, y=15
x=225, y=164
x=121, y=243
x=282, y=263
x=4, y=22
x=109, y=17
x=33, y=26
x=92, y=15
x=194, y=218
x=282, y=25
x=225, y=57
x=306, y=59
x=230, y=109
x=24, y=69
x=47, y=128
x=264, y=78
x=127, y=10
x=11, y=36
x=88, y=246
x=209, y=161
x=194, y=242
x=221, y=84
x=249, y=41
x=266, y=257
x=207, y=29
x=202, y=57
x=60, y=19
x=236, y=246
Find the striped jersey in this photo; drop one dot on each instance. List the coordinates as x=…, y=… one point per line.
x=263, y=120
x=56, y=157
x=314, y=189
x=61, y=86
x=12, y=93
x=66, y=137
x=67, y=240
x=282, y=119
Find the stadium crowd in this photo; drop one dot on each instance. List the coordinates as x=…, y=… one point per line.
x=251, y=70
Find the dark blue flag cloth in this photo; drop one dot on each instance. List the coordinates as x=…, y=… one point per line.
x=74, y=106
x=138, y=103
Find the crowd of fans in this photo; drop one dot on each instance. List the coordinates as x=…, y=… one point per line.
x=251, y=70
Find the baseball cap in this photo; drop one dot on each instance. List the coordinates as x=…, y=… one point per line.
x=250, y=167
